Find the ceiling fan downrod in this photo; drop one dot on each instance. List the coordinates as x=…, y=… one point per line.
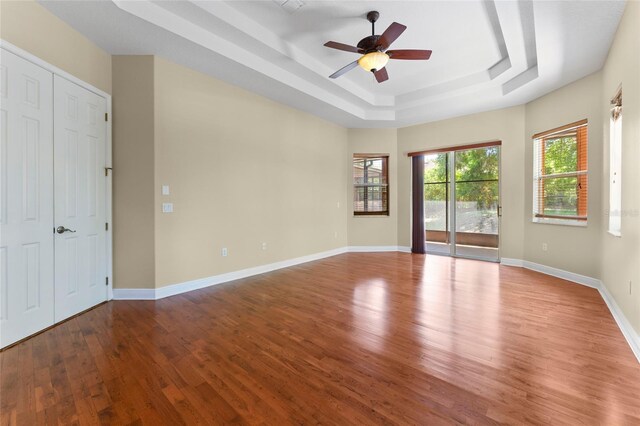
x=373, y=17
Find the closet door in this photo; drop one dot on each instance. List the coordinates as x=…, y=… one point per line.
x=80, y=187
x=26, y=199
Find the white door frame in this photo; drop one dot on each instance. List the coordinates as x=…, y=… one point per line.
x=108, y=144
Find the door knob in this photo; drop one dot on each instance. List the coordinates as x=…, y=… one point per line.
x=62, y=230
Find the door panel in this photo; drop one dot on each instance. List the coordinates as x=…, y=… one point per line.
x=462, y=202
x=477, y=199
x=80, y=184
x=26, y=211
x=437, y=203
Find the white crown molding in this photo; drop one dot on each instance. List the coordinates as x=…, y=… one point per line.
x=264, y=36
x=629, y=333
x=518, y=51
x=521, y=37
x=163, y=18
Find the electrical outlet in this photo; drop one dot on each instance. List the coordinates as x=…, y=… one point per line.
x=225, y=252
x=335, y=234
x=630, y=286
x=338, y=204
x=544, y=247
x=264, y=246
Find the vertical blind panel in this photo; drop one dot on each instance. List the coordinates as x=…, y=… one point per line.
x=561, y=174
x=615, y=171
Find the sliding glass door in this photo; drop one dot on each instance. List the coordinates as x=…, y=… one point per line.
x=477, y=195
x=462, y=193
x=437, y=191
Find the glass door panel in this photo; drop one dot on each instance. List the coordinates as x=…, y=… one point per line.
x=476, y=192
x=437, y=191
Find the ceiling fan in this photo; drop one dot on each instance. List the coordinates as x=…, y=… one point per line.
x=374, y=50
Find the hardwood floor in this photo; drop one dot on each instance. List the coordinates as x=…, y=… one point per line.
x=360, y=338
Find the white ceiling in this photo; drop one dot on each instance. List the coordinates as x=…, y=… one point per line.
x=486, y=54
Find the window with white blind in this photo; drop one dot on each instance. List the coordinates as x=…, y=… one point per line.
x=370, y=184
x=615, y=165
x=560, y=175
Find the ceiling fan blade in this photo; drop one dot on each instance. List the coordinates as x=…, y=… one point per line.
x=381, y=75
x=409, y=54
x=344, y=69
x=342, y=46
x=390, y=35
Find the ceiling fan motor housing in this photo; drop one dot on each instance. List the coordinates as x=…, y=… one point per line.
x=368, y=44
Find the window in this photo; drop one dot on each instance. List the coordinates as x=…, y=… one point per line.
x=560, y=175
x=615, y=165
x=370, y=184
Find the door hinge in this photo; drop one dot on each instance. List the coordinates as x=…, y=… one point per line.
x=106, y=170
x=106, y=281
x=106, y=116
x=106, y=226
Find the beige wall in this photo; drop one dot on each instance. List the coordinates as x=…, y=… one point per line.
x=31, y=27
x=133, y=177
x=621, y=255
x=506, y=125
x=243, y=170
x=373, y=230
x=571, y=248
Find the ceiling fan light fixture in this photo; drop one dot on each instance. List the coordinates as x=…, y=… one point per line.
x=373, y=61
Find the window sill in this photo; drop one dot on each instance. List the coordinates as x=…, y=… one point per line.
x=381, y=215
x=615, y=234
x=565, y=222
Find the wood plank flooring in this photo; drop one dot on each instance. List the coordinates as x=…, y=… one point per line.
x=360, y=338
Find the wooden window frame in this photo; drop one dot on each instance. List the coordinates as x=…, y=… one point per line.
x=581, y=173
x=385, y=177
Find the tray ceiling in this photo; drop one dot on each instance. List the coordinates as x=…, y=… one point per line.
x=486, y=54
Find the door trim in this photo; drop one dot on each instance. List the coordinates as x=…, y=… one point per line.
x=108, y=144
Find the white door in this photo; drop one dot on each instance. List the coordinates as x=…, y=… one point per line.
x=26, y=200
x=80, y=187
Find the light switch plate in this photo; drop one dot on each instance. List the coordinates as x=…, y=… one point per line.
x=167, y=207
x=165, y=189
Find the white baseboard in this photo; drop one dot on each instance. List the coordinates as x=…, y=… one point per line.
x=134, y=294
x=565, y=275
x=153, y=294
x=629, y=333
x=375, y=249
x=172, y=290
x=511, y=262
